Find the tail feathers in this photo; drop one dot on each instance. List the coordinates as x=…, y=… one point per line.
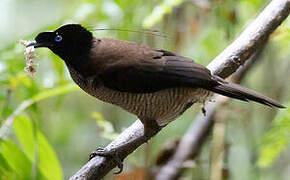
x=244, y=94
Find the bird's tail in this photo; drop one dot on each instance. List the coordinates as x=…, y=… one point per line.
x=238, y=92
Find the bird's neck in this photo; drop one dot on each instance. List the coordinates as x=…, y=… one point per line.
x=80, y=64
x=77, y=57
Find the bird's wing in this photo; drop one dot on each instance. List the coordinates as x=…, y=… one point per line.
x=153, y=73
x=128, y=67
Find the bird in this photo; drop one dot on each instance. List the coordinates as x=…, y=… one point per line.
x=155, y=85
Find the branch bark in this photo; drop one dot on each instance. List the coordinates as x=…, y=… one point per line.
x=223, y=65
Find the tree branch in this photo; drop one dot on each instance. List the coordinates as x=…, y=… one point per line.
x=252, y=37
x=223, y=65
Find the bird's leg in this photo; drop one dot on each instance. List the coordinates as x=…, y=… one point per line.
x=118, y=153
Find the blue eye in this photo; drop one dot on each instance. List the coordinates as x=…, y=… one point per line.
x=58, y=38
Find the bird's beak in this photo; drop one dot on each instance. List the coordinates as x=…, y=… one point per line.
x=34, y=43
x=38, y=45
x=43, y=39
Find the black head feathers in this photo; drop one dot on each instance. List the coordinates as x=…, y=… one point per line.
x=69, y=41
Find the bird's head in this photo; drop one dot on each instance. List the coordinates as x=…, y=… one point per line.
x=68, y=42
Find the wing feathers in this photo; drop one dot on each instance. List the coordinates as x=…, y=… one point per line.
x=147, y=76
x=145, y=70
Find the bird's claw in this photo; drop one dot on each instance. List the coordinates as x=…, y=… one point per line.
x=108, y=153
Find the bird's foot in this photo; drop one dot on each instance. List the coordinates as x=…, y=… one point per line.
x=113, y=153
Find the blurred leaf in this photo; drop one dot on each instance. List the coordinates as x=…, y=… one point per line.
x=5, y=170
x=256, y=3
x=3, y=164
x=13, y=82
x=54, y=92
x=16, y=159
x=102, y=123
x=38, y=97
x=107, y=129
x=24, y=131
x=48, y=162
x=159, y=12
x=275, y=140
x=24, y=79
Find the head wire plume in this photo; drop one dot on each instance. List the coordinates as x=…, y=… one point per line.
x=143, y=31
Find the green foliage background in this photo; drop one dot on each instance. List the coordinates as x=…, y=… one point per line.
x=49, y=126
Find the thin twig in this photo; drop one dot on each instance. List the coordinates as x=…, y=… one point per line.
x=224, y=65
